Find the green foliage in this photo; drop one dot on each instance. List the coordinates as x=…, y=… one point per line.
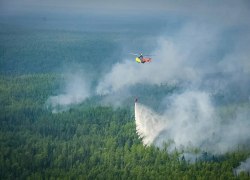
x=89, y=142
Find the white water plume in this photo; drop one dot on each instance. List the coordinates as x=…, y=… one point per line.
x=148, y=124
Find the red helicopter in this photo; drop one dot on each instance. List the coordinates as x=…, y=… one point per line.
x=141, y=59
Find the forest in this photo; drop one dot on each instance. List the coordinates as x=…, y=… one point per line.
x=90, y=140
x=86, y=142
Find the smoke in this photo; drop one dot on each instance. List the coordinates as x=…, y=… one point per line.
x=165, y=67
x=75, y=90
x=122, y=75
x=208, y=55
x=244, y=167
x=209, y=58
x=191, y=114
x=197, y=55
x=211, y=39
x=191, y=121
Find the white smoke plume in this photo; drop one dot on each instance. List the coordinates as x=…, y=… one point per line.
x=191, y=121
x=192, y=56
x=212, y=38
x=75, y=91
x=209, y=57
x=244, y=167
x=169, y=61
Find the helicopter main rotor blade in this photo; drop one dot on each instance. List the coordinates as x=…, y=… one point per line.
x=134, y=54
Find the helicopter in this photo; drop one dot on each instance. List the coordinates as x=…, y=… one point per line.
x=141, y=59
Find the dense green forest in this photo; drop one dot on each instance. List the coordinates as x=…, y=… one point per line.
x=86, y=142
x=89, y=140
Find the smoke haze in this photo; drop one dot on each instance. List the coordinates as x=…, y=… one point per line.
x=209, y=57
x=75, y=90
x=197, y=54
x=244, y=167
x=205, y=51
x=191, y=121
